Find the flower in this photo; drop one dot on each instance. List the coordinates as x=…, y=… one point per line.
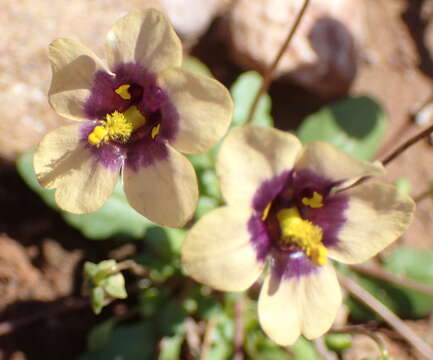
x=292, y=208
x=134, y=115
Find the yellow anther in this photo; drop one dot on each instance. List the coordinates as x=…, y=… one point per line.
x=265, y=212
x=319, y=255
x=117, y=126
x=303, y=233
x=155, y=131
x=315, y=202
x=123, y=92
x=98, y=135
x=135, y=117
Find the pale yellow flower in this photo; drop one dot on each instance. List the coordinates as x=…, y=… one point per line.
x=134, y=116
x=292, y=208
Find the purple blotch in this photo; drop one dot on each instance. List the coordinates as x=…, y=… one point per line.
x=145, y=152
x=149, y=98
x=111, y=156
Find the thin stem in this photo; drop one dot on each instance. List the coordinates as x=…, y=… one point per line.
x=393, y=320
x=268, y=73
x=323, y=351
x=407, y=144
x=424, y=195
x=399, y=280
x=239, y=329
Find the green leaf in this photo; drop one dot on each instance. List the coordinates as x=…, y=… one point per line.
x=356, y=125
x=243, y=91
x=338, y=342
x=115, y=286
x=171, y=347
x=97, y=296
x=171, y=318
x=114, y=218
x=416, y=265
x=194, y=65
x=304, y=349
x=100, y=335
x=127, y=342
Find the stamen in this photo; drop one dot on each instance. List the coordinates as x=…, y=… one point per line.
x=303, y=233
x=123, y=91
x=155, y=131
x=265, y=212
x=117, y=126
x=315, y=202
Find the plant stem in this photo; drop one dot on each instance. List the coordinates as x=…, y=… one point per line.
x=239, y=329
x=399, y=280
x=408, y=143
x=267, y=77
x=393, y=320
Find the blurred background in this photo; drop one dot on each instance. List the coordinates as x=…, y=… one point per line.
x=358, y=73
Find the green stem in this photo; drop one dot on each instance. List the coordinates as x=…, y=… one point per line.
x=267, y=77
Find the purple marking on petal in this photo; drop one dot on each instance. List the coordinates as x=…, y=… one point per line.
x=111, y=156
x=268, y=190
x=259, y=237
x=331, y=216
x=287, y=265
x=149, y=98
x=145, y=152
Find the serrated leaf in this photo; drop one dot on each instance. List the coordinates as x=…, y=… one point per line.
x=243, y=91
x=115, y=217
x=355, y=125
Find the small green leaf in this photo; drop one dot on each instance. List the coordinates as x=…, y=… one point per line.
x=356, y=125
x=115, y=217
x=97, y=296
x=243, y=91
x=338, y=342
x=115, y=286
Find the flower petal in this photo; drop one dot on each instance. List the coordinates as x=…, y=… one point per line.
x=377, y=214
x=307, y=305
x=165, y=190
x=74, y=67
x=335, y=165
x=251, y=155
x=218, y=252
x=204, y=105
x=63, y=163
x=145, y=37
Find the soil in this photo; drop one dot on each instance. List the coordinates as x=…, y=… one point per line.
x=41, y=256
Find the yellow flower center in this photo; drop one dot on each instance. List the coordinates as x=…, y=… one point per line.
x=303, y=233
x=117, y=126
x=315, y=202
